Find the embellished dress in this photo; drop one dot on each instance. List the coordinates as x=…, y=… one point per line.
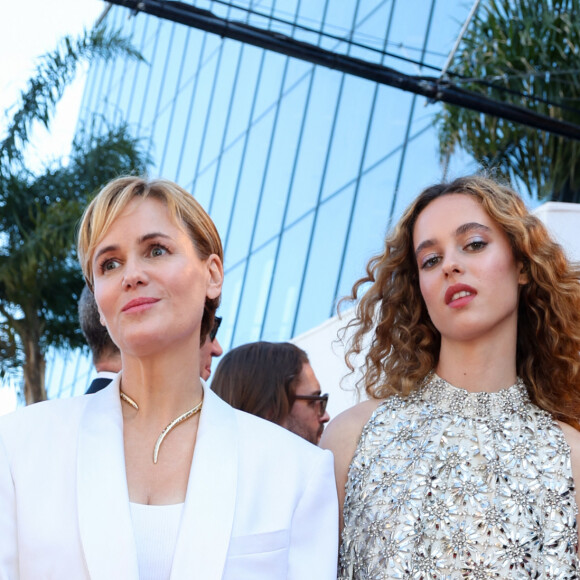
x=448, y=484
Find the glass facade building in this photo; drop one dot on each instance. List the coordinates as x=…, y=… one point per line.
x=302, y=167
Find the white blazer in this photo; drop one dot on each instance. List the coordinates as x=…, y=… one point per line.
x=260, y=503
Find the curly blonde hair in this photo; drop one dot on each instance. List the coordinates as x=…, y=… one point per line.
x=404, y=343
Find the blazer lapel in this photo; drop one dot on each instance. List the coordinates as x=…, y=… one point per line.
x=103, y=498
x=208, y=513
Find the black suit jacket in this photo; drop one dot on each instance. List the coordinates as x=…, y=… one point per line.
x=97, y=385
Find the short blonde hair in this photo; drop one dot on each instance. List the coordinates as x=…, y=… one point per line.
x=182, y=207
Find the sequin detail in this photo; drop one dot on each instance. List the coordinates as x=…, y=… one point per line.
x=448, y=484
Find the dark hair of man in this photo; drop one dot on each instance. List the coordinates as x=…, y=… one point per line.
x=94, y=332
x=260, y=378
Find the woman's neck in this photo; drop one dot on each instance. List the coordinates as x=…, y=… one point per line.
x=478, y=367
x=162, y=386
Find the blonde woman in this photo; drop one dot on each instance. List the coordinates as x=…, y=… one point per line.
x=155, y=477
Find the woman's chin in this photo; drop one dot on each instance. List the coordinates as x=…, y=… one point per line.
x=143, y=345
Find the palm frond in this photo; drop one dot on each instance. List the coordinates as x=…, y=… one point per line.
x=54, y=72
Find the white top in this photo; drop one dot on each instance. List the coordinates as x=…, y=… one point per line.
x=156, y=528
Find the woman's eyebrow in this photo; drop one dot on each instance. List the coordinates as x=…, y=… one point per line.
x=105, y=250
x=423, y=245
x=471, y=226
x=153, y=235
x=462, y=229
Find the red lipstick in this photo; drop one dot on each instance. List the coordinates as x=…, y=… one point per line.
x=459, y=295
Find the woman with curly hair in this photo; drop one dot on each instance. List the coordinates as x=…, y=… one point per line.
x=462, y=462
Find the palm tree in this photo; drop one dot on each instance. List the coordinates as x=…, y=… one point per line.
x=514, y=48
x=40, y=281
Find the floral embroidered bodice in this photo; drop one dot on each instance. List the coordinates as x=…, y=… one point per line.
x=448, y=484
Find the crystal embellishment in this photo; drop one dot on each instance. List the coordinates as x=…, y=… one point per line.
x=449, y=484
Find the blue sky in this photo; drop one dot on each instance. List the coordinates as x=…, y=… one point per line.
x=29, y=28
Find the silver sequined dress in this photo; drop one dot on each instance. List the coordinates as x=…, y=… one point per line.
x=448, y=484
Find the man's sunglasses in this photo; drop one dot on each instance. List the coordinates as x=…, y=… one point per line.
x=322, y=400
x=217, y=320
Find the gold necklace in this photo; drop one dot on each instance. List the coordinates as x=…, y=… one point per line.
x=176, y=421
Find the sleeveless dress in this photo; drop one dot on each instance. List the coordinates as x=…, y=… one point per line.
x=448, y=484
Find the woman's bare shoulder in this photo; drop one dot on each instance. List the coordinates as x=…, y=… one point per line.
x=343, y=432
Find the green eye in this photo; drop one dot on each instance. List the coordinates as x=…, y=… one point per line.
x=109, y=265
x=157, y=251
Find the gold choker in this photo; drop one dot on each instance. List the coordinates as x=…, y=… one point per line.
x=176, y=421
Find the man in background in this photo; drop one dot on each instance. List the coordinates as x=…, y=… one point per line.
x=276, y=382
x=210, y=349
x=106, y=355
